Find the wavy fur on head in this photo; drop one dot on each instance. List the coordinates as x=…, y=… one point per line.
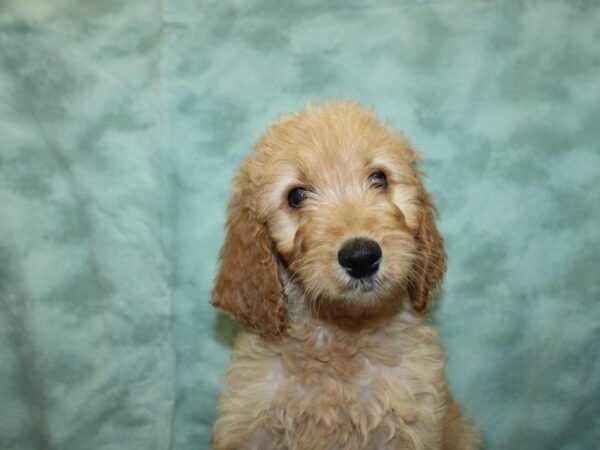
x=338, y=362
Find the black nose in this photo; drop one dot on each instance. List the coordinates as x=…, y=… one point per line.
x=360, y=257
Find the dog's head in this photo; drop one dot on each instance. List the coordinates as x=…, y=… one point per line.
x=333, y=203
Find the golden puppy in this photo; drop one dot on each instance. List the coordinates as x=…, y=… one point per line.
x=331, y=255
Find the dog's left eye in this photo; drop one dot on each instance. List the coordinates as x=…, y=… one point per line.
x=296, y=197
x=378, y=180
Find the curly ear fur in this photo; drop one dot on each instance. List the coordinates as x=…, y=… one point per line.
x=248, y=284
x=429, y=266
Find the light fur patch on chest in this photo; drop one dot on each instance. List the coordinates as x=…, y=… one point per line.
x=328, y=394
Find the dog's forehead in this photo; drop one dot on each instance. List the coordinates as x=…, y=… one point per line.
x=322, y=169
x=327, y=164
x=320, y=153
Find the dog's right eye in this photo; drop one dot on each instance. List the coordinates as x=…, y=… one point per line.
x=378, y=179
x=296, y=197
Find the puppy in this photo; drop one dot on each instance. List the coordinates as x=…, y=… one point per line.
x=331, y=255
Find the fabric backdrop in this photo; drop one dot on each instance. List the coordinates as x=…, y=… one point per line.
x=121, y=124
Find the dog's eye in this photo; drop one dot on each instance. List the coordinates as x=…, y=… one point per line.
x=296, y=197
x=378, y=180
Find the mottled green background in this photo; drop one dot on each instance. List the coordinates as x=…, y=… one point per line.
x=121, y=124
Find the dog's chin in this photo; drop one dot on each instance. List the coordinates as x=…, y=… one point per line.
x=363, y=300
x=361, y=291
x=372, y=289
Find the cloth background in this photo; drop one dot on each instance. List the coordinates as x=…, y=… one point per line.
x=121, y=124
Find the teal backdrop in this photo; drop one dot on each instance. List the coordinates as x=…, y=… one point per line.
x=122, y=123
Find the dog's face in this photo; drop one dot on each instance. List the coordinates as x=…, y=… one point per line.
x=339, y=203
x=334, y=202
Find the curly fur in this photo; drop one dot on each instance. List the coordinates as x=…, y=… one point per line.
x=333, y=364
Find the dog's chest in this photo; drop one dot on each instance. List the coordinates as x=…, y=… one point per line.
x=368, y=394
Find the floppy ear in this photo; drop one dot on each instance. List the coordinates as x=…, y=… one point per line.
x=248, y=284
x=429, y=266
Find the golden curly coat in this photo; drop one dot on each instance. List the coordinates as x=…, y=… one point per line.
x=338, y=362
